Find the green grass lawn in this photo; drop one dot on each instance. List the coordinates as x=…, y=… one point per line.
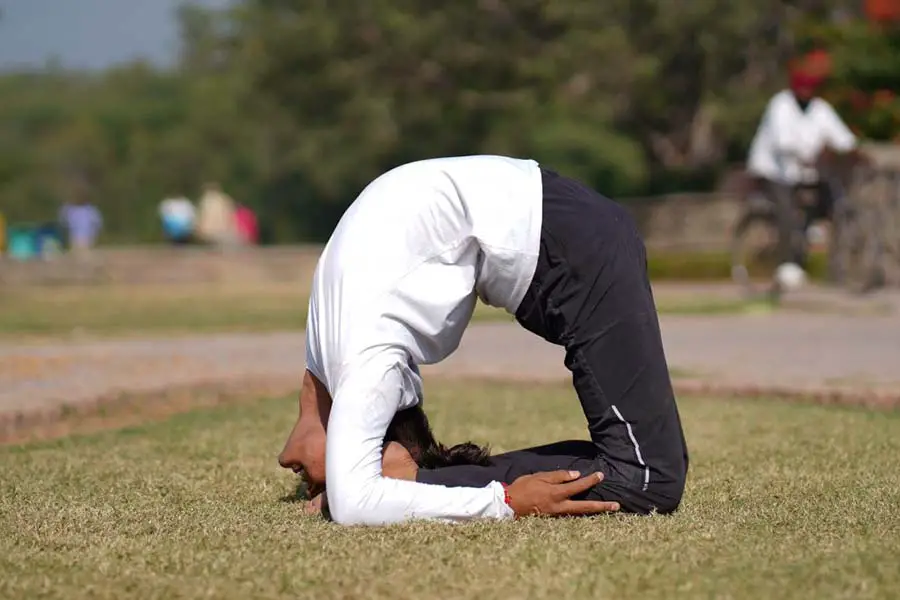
x=126, y=310
x=123, y=310
x=783, y=501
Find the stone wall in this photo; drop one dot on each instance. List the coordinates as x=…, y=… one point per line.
x=687, y=222
x=885, y=155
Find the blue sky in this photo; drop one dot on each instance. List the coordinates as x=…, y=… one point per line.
x=88, y=33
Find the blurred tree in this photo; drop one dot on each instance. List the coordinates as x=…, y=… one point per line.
x=293, y=106
x=866, y=68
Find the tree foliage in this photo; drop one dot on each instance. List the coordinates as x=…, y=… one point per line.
x=294, y=105
x=866, y=78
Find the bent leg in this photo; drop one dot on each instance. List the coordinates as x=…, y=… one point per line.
x=621, y=375
x=590, y=292
x=790, y=244
x=573, y=455
x=593, y=295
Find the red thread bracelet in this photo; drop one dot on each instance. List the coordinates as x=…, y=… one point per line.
x=506, y=497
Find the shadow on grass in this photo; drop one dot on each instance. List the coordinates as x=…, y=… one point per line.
x=299, y=494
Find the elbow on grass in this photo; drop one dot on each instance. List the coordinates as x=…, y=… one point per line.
x=347, y=505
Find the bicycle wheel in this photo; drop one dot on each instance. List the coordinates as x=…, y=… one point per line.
x=754, y=253
x=842, y=229
x=859, y=254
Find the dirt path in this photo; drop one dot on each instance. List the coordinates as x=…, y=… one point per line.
x=783, y=353
x=776, y=354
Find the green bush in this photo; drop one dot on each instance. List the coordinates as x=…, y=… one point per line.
x=712, y=266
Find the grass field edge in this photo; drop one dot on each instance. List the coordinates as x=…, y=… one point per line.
x=136, y=408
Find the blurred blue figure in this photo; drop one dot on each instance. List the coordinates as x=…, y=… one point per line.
x=21, y=243
x=28, y=241
x=48, y=240
x=83, y=222
x=178, y=217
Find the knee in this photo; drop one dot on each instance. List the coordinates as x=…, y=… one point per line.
x=663, y=494
x=668, y=497
x=668, y=505
x=658, y=499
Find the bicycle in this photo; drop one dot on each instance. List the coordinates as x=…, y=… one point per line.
x=756, y=251
x=868, y=252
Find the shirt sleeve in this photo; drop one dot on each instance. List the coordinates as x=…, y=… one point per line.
x=838, y=134
x=313, y=357
x=358, y=494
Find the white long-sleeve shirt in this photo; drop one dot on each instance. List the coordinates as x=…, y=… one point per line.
x=395, y=287
x=789, y=136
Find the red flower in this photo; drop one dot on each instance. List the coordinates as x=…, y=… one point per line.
x=883, y=97
x=859, y=100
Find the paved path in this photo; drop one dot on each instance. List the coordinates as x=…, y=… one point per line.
x=775, y=352
x=800, y=352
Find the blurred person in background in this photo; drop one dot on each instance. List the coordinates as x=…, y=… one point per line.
x=178, y=218
x=83, y=222
x=216, y=223
x=796, y=128
x=247, y=225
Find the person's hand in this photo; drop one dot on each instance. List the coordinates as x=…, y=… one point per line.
x=398, y=463
x=317, y=504
x=549, y=494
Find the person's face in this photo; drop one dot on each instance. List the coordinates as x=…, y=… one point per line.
x=805, y=86
x=804, y=92
x=304, y=450
x=396, y=463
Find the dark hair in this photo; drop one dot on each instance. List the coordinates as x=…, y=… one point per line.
x=410, y=428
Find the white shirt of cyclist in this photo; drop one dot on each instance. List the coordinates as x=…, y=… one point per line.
x=395, y=288
x=790, y=138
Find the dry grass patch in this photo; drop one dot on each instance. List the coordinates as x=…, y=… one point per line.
x=784, y=500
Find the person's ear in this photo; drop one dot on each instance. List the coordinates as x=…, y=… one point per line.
x=315, y=401
x=398, y=463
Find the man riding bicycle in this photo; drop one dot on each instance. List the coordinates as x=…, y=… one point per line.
x=795, y=129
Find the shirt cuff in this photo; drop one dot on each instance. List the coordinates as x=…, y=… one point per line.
x=504, y=511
